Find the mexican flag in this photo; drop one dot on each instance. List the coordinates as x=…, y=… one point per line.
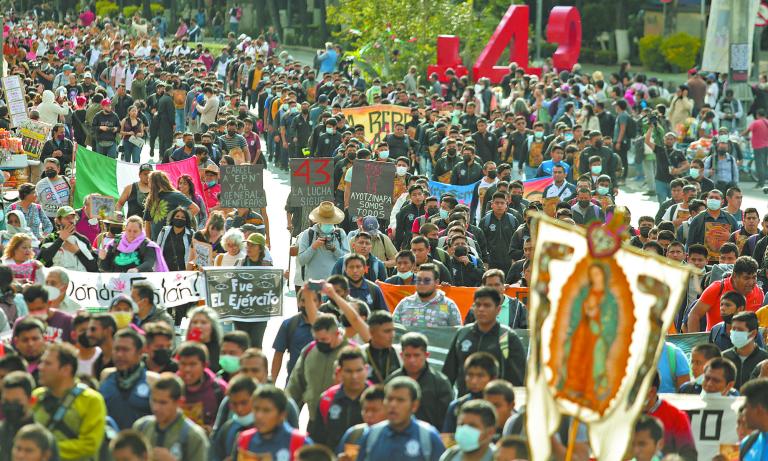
x=99, y=174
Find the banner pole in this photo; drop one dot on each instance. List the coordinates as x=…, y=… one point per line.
x=572, y=431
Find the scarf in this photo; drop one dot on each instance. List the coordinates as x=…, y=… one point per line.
x=129, y=247
x=127, y=379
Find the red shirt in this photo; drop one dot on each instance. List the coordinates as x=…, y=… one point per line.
x=677, y=427
x=759, y=129
x=712, y=294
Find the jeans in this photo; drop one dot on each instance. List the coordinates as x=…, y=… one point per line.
x=131, y=152
x=181, y=124
x=663, y=191
x=649, y=169
x=110, y=151
x=760, y=163
x=234, y=27
x=255, y=331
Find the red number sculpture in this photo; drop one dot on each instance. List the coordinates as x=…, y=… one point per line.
x=564, y=28
x=447, y=58
x=513, y=27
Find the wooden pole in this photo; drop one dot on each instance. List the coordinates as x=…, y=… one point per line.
x=572, y=431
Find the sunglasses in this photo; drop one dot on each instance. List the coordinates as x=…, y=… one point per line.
x=423, y=281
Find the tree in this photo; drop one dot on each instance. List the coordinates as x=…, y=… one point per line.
x=389, y=27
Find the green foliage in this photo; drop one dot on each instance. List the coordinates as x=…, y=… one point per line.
x=106, y=8
x=605, y=57
x=156, y=8
x=597, y=18
x=650, y=53
x=680, y=50
x=129, y=11
x=392, y=35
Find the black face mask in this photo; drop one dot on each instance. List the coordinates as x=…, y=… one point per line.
x=243, y=113
x=432, y=211
x=506, y=178
x=722, y=151
x=115, y=230
x=49, y=173
x=82, y=339
x=451, y=152
x=161, y=356
x=645, y=232
x=179, y=222
x=516, y=199
x=304, y=112
x=433, y=243
x=324, y=347
x=728, y=319
x=467, y=158
x=352, y=156
x=599, y=143
x=208, y=146
x=492, y=174
x=231, y=132
x=13, y=411
x=583, y=203
x=190, y=144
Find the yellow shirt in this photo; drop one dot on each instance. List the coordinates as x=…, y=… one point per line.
x=762, y=316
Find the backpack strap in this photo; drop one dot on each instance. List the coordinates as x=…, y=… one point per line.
x=374, y=432
x=425, y=439
x=298, y=439
x=309, y=348
x=244, y=441
x=293, y=325
x=749, y=442
x=310, y=237
x=324, y=406
x=58, y=416
x=672, y=359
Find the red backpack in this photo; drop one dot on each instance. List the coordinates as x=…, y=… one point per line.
x=298, y=439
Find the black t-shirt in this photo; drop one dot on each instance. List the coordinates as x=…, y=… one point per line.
x=664, y=160
x=174, y=251
x=157, y=213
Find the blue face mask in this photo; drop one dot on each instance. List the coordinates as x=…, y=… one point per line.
x=384, y=154
x=211, y=183
x=597, y=169
x=740, y=338
x=405, y=275
x=568, y=136
x=443, y=214
x=467, y=438
x=602, y=190
x=713, y=204
x=694, y=173
x=326, y=228
x=246, y=420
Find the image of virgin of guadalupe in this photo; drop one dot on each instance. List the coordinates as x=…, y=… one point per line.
x=590, y=350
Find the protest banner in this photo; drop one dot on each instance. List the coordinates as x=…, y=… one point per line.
x=533, y=189
x=463, y=194
x=15, y=99
x=242, y=186
x=372, y=186
x=203, y=254
x=33, y=133
x=378, y=120
x=245, y=293
x=311, y=181
x=713, y=422
x=462, y=296
x=92, y=290
x=102, y=206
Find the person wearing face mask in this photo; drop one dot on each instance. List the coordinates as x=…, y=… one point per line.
x=721, y=168
x=58, y=147
x=315, y=370
x=610, y=161
x=447, y=161
x=176, y=239
x=16, y=406
x=239, y=399
x=58, y=279
x=745, y=353
x=714, y=221
x=186, y=150
x=16, y=223
x=329, y=141
x=321, y=245
x=158, y=358
x=211, y=186
x=53, y=190
x=474, y=433
x=405, y=263
x=731, y=303
x=468, y=171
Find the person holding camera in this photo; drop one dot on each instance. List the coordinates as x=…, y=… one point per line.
x=320, y=246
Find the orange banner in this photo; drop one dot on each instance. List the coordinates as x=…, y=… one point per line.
x=462, y=296
x=378, y=120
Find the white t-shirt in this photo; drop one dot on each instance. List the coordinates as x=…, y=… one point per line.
x=53, y=194
x=86, y=366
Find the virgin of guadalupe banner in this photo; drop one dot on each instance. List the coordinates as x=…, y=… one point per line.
x=598, y=312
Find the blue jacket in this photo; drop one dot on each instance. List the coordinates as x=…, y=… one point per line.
x=125, y=407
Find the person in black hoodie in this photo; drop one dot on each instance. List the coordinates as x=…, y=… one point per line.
x=16, y=404
x=466, y=270
x=407, y=214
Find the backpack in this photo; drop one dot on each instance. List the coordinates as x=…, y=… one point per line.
x=324, y=406
x=631, y=130
x=298, y=439
x=425, y=441
x=748, y=443
x=183, y=436
x=487, y=220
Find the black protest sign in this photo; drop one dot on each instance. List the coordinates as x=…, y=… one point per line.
x=245, y=293
x=372, y=186
x=311, y=181
x=242, y=186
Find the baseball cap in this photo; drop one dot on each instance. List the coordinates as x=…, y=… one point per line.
x=256, y=239
x=145, y=167
x=87, y=75
x=106, y=102
x=370, y=224
x=65, y=211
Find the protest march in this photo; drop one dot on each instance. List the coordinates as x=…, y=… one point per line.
x=323, y=231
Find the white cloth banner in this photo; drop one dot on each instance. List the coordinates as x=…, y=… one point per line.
x=713, y=422
x=171, y=288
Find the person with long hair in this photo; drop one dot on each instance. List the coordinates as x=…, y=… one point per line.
x=162, y=200
x=176, y=239
x=133, y=251
x=19, y=256
x=186, y=186
x=36, y=218
x=214, y=230
x=588, y=119
x=132, y=126
x=205, y=328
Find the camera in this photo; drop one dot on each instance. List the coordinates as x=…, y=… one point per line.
x=329, y=240
x=653, y=119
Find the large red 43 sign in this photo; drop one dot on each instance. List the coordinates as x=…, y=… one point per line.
x=563, y=28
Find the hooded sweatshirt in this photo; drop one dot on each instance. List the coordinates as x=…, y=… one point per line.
x=49, y=109
x=201, y=402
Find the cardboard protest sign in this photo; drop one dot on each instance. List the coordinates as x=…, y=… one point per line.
x=378, y=120
x=15, y=99
x=204, y=254
x=102, y=206
x=33, y=133
x=311, y=181
x=715, y=235
x=371, y=190
x=245, y=293
x=713, y=422
x=242, y=186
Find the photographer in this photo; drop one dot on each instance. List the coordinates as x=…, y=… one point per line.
x=322, y=244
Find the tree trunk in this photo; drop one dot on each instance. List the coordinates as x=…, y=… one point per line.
x=323, y=19
x=621, y=17
x=261, y=16
x=274, y=14
x=303, y=39
x=146, y=10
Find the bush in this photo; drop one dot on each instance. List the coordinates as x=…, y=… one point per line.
x=605, y=57
x=129, y=11
x=106, y=8
x=587, y=54
x=156, y=9
x=650, y=52
x=680, y=50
